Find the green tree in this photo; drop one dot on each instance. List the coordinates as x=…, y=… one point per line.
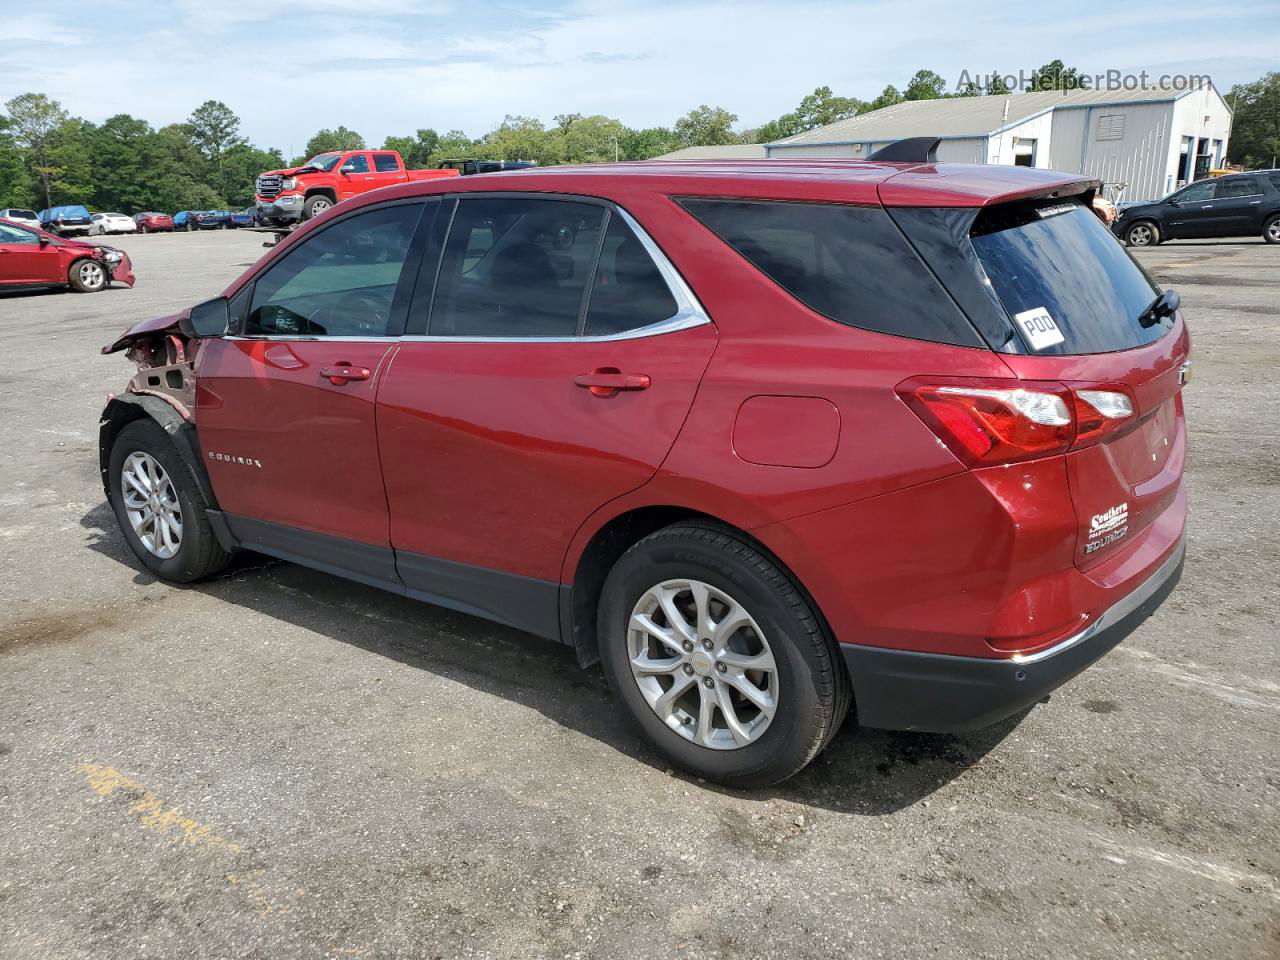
x=888, y=97
x=925, y=85
x=240, y=168
x=707, y=127
x=214, y=129
x=520, y=138
x=1255, y=127
x=16, y=185
x=122, y=152
x=595, y=139
x=996, y=87
x=648, y=142
x=34, y=121
x=416, y=150
x=326, y=141
x=1055, y=76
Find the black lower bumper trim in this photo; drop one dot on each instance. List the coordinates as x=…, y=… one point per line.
x=938, y=693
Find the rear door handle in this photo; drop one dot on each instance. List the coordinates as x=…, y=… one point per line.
x=607, y=381
x=342, y=372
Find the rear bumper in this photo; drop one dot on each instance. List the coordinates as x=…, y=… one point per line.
x=939, y=693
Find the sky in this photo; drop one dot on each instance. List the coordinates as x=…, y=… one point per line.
x=386, y=67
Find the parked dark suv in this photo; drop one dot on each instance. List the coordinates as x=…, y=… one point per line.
x=769, y=439
x=1237, y=205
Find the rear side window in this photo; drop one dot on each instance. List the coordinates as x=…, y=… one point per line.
x=629, y=291
x=516, y=267
x=385, y=163
x=1058, y=258
x=851, y=264
x=1237, y=187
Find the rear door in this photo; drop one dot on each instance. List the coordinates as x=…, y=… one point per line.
x=1059, y=260
x=386, y=169
x=1237, y=207
x=547, y=373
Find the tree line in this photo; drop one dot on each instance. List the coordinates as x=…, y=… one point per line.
x=49, y=157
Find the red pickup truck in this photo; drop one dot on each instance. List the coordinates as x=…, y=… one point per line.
x=300, y=193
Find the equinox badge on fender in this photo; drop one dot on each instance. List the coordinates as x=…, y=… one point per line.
x=243, y=461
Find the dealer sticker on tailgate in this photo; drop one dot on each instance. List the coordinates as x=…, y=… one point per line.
x=1038, y=327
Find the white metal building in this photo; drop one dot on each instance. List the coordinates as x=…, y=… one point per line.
x=1141, y=143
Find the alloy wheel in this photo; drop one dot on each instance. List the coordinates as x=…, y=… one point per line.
x=92, y=275
x=703, y=664
x=151, y=504
x=1273, y=231
x=1140, y=236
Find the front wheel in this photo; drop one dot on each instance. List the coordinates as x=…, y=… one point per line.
x=719, y=657
x=87, y=276
x=315, y=206
x=1144, y=233
x=159, y=506
x=1271, y=230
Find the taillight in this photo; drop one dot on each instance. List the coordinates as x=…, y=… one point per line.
x=987, y=422
x=1100, y=413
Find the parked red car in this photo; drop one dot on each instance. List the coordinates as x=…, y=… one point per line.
x=34, y=258
x=153, y=222
x=768, y=438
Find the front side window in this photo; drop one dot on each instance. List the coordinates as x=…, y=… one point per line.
x=10, y=234
x=339, y=282
x=516, y=267
x=385, y=163
x=1239, y=187
x=358, y=163
x=1195, y=192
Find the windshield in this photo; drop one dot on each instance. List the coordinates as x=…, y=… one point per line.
x=1066, y=282
x=324, y=161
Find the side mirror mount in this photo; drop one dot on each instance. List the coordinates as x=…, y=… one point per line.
x=347, y=168
x=44, y=241
x=209, y=319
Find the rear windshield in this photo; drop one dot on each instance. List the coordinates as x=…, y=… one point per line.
x=28, y=214
x=849, y=263
x=1065, y=281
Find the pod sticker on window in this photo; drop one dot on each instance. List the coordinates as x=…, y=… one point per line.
x=1038, y=328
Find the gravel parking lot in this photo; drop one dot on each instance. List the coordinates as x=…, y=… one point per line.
x=282, y=764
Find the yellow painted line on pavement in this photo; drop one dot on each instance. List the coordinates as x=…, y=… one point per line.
x=150, y=811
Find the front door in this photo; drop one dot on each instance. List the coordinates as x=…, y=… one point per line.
x=24, y=259
x=355, y=176
x=558, y=365
x=285, y=405
x=1191, y=212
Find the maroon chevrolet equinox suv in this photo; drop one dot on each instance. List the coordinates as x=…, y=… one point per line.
x=775, y=441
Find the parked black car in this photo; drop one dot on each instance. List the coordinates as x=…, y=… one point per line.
x=1237, y=205
x=213, y=220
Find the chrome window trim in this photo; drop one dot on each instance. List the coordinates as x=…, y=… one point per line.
x=689, y=310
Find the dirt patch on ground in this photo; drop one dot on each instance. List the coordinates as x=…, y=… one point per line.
x=55, y=629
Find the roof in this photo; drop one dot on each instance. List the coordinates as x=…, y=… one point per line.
x=729, y=151
x=967, y=116
x=821, y=181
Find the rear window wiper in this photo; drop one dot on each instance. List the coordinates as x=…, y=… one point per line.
x=1165, y=305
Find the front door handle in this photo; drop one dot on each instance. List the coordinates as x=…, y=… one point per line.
x=607, y=381
x=342, y=372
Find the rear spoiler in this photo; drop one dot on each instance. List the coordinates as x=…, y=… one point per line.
x=909, y=150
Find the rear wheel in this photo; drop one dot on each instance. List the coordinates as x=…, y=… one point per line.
x=1271, y=229
x=719, y=657
x=159, y=506
x=87, y=276
x=1144, y=233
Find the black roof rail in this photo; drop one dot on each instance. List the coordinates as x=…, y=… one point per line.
x=910, y=150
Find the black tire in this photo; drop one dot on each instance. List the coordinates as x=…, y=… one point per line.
x=199, y=554
x=87, y=275
x=1142, y=233
x=1271, y=229
x=309, y=209
x=813, y=690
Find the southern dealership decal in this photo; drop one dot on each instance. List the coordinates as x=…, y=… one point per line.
x=1107, y=527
